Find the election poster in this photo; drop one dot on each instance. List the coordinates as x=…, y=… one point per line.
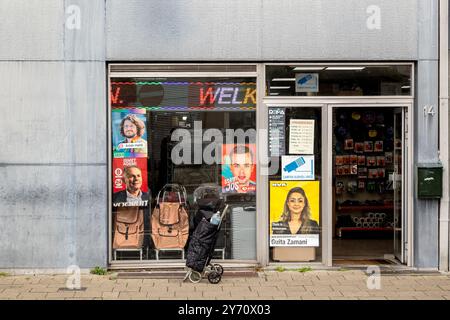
x=239, y=168
x=294, y=213
x=130, y=185
x=129, y=135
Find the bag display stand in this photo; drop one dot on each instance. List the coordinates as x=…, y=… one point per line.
x=157, y=251
x=140, y=250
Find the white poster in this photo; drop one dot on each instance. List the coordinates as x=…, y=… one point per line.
x=301, y=136
x=297, y=167
x=307, y=82
x=298, y=240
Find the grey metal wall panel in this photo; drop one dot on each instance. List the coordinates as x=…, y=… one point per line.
x=426, y=212
x=53, y=112
x=31, y=29
x=87, y=42
x=259, y=30
x=57, y=220
x=428, y=33
x=53, y=167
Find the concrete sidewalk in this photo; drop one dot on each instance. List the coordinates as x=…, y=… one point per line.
x=351, y=285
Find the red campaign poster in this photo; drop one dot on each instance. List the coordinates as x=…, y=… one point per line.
x=119, y=184
x=239, y=168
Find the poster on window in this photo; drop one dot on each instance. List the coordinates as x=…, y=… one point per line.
x=277, y=139
x=301, y=136
x=239, y=168
x=294, y=213
x=130, y=187
x=297, y=167
x=129, y=136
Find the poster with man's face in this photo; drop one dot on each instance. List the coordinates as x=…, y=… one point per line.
x=239, y=168
x=129, y=134
x=294, y=213
x=130, y=186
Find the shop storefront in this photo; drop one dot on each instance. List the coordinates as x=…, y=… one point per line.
x=309, y=119
x=312, y=161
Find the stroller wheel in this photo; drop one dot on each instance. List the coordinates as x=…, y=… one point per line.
x=218, y=268
x=214, y=277
x=195, y=277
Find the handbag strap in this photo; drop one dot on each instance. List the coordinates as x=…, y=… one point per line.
x=174, y=186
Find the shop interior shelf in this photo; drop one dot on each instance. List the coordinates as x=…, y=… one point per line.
x=366, y=229
x=365, y=208
x=342, y=231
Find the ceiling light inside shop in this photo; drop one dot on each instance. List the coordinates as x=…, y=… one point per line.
x=406, y=87
x=274, y=93
x=346, y=68
x=308, y=68
x=283, y=79
x=280, y=88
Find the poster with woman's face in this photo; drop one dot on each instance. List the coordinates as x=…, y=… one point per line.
x=294, y=213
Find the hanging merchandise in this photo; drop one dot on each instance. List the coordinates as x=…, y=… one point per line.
x=361, y=160
x=362, y=172
x=361, y=185
x=340, y=188
x=359, y=147
x=372, y=133
x=368, y=146
x=378, y=146
x=352, y=187
x=371, y=186
x=381, y=187
x=341, y=132
x=388, y=157
x=128, y=228
x=381, y=161
x=170, y=219
x=356, y=116
x=369, y=117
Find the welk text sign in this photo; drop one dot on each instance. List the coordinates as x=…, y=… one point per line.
x=173, y=95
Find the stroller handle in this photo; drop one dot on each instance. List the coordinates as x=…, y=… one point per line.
x=224, y=211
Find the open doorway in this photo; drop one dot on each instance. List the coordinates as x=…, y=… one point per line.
x=368, y=185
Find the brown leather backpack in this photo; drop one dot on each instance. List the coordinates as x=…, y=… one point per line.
x=170, y=221
x=128, y=228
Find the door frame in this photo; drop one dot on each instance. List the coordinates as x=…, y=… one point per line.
x=401, y=254
x=328, y=104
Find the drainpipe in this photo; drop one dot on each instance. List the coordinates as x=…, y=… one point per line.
x=444, y=243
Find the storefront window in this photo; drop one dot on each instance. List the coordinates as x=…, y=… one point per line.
x=295, y=215
x=372, y=80
x=184, y=145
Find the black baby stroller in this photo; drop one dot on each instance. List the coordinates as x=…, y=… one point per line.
x=209, y=200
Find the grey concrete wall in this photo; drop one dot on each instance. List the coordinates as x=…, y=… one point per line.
x=53, y=165
x=426, y=212
x=256, y=30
